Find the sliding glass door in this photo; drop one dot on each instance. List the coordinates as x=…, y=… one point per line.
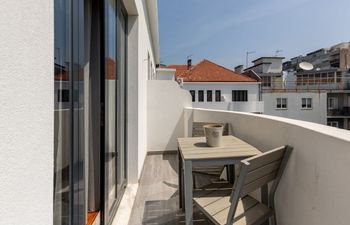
x=90, y=109
x=114, y=103
x=69, y=149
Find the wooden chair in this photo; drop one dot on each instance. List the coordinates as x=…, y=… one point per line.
x=213, y=172
x=225, y=205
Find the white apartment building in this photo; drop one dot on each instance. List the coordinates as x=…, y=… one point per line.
x=307, y=106
x=307, y=95
x=215, y=87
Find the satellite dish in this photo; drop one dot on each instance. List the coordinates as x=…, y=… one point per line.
x=306, y=66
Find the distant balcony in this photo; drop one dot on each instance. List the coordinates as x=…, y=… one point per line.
x=345, y=111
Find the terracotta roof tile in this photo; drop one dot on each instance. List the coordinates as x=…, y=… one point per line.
x=207, y=71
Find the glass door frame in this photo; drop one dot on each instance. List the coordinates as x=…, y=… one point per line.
x=108, y=212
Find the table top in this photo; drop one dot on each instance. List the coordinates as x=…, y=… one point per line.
x=195, y=148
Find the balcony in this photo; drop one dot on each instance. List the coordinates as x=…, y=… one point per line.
x=313, y=189
x=341, y=112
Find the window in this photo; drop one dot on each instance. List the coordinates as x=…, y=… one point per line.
x=209, y=96
x=63, y=95
x=239, y=96
x=306, y=103
x=333, y=123
x=218, y=96
x=193, y=93
x=200, y=96
x=281, y=103
x=332, y=103
x=266, y=81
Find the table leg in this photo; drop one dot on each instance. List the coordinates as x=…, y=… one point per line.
x=188, y=181
x=180, y=172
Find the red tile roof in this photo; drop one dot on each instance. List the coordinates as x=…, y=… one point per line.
x=207, y=71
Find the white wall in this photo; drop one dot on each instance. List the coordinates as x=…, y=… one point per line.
x=253, y=104
x=317, y=114
x=166, y=74
x=250, y=106
x=27, y=112
x=313, y=189
x=165, y=114
x=140, y=44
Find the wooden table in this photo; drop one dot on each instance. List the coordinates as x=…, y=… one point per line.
x=194, y=152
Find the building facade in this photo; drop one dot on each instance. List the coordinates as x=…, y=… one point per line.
x=215, y=87
x=319, y=94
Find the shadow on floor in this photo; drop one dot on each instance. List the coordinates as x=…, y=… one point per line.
x=162, y=213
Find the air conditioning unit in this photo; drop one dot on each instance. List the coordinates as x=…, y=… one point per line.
x=180, y=81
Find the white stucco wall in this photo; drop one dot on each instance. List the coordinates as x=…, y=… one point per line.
x=165, y=114
x=142, y=42
x=26, y=112
x=226, y=89
x=253, y=104
x=318, y=113
x=313, y=189
x=165, y=74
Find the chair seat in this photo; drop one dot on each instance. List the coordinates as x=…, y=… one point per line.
x=214, y=201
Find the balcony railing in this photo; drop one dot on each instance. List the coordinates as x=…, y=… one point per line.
x=313, y=189
x=249, y=106
x=345, y=111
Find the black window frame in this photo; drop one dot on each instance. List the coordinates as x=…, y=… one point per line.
x=200, y=96
x=209, y=95
x=193, y=94
x=218, y=95
x=239, y=95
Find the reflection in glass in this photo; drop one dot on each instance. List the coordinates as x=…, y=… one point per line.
x=110, y=103
x=62, y=113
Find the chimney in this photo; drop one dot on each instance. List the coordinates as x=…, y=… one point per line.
x=189, y=63
x=239, y=69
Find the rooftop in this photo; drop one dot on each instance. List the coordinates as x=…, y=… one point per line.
x=207, y=71
x=268, y=57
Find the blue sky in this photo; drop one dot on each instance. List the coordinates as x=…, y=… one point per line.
x=224, y=30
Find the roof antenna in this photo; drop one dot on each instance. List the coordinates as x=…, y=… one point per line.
x=247, y=56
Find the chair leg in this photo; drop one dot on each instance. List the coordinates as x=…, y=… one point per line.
x=273, y=219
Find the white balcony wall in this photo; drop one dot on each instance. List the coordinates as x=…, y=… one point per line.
x=26, y=112
x=166, y=74
x=313, y=189
x=143, y=55
x=250, y=106
x=165, y=115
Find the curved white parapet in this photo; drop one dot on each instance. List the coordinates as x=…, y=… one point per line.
x=313, y=187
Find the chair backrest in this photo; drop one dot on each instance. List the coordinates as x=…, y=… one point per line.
x=198, y=130
x=258, y=171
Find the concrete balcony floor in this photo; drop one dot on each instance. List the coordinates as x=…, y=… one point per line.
x=157, y=200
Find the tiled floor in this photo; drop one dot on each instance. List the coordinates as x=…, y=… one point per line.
x=157, y=197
